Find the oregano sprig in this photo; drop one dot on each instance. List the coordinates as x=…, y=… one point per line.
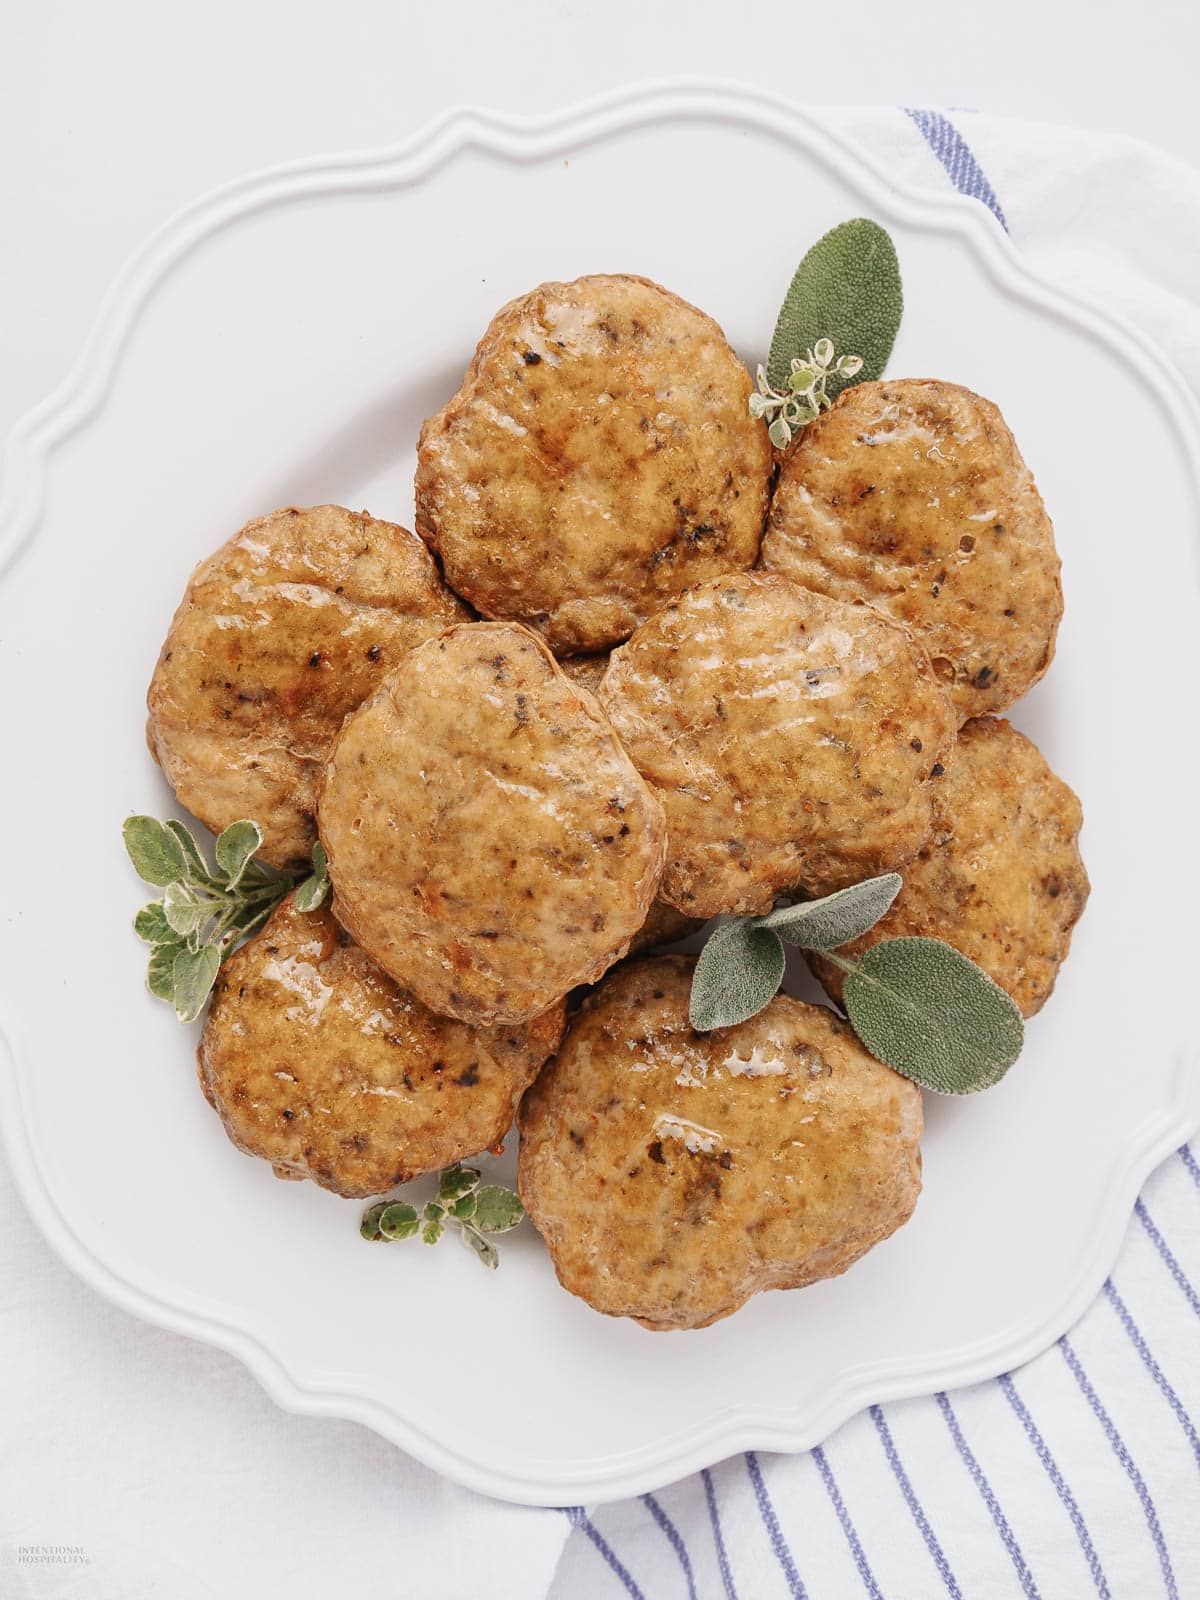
x=917, y=1004
x=476, y=1210
x=804, y=395
x=205, y=910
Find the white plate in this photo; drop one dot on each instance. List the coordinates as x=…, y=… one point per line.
x=281, y=342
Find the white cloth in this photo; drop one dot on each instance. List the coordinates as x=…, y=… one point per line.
x=1079, y=1476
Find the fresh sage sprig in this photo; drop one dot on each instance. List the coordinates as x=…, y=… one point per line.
x=845, y=295
x=475, y=1211
x=204, y=910
x=917, y=1004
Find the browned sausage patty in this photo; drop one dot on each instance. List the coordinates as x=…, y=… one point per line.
x=598, y=458
x=1001, y=878
x=316, y=1061
x=790, y=738
x=673, y=1174
x=490, y=843
x=283, y=631
x=911, y=495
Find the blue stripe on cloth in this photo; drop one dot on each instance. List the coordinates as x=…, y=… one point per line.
x=1153, y=1368
x=1060, y=1484
x=937, y=1555
x=714, y=1518
x=1190, y=1162
x=578, y=1518
x=1008, y=1538
x=1126, y=1460
x=848, y=1528
x=1173, y=1267
x=674, y=1539
x=774, y=1532
x=958, y=159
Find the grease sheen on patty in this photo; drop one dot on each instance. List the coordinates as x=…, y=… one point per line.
x=794, y=741
x=1000, y=878
x=911, y=495
x=598, y=458
x=490, y=843
x=318, y=1062
x=673, y=1174
x=281, y=632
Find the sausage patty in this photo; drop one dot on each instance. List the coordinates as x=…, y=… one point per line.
x=1001, y=878
x=673, y=1174
x=598, y=458
x=911, y=495
x=315, y=1060
x=490, y=843
x=283, y=631
x=791, y=739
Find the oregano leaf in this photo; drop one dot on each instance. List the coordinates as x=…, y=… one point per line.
x=315, y=887
x=432, y=1232
x=151, y=925
x=369, y=1226
x=160, y=972
x=846, y=289
x=194, y=973
x=924, y=1009
x=235, y=847
x=496, y=1209
x=398, y=1220
x=463, y=1210
x=455, y=1182
x=183, y=910
x=195, y=866
x=738, y=973
x=483, y=1248
x=433, y=1212
x=835, y=918
x=156, y=854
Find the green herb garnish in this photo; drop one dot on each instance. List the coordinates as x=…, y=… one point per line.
x=845, y=295
x=917, y=1004
x=461, y=1203
x=805, y=394
x=205, y=910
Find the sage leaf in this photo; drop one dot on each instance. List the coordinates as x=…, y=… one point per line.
x=398, y=1220
x=156, y=854
x=369, y=1226
x=195, y=865
x=738, y=972
x=194, y=974
x=455, y=1182
x=924, y=1009
x=836, y=918
x=151, y=925
x=160, y=973
x=496, y=1209
x=483, y=1248
x=315, y=887
x=183, y=908
x=431, y=1232
x=847, y=289
x=235, y=847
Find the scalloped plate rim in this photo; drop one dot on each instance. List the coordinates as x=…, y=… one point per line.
x=27, y=452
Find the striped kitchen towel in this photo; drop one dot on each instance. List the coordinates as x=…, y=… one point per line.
x=1078, y=1474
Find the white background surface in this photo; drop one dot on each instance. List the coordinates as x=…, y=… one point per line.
x=110, y=117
